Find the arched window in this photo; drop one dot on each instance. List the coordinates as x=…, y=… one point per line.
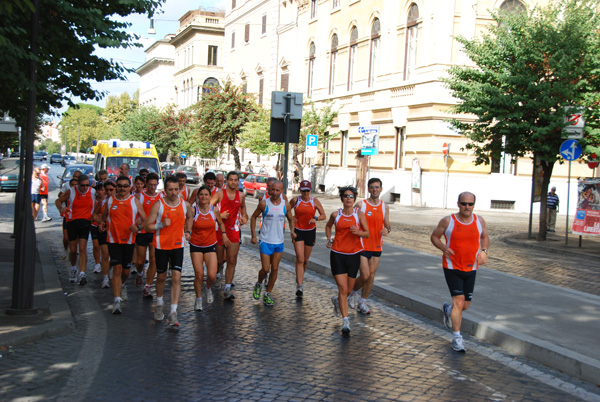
x=375, y=44
x=513, y=7
x=332, y=62
x=210, y=84
x=311, y=68
x=352, y=60
x=412, y=29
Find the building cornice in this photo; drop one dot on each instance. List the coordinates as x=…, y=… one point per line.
x=153, y=63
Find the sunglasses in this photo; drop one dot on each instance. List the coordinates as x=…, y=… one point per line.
x=84, y=185
x=123, y=185
x=348, y=195
x=110, y=189
x=464, y=204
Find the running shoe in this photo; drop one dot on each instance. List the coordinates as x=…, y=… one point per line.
x=267, y=300
x=110, y=273
x=458, y=344
x=336, y=305
x=124, y=293
x=209, y=296
x=446, y=311
x=82, y=279
x=346, y=327
x=198, y=304
x=65, y=255
x=299, y=291
x=172, y=319
x=147, y=293
x=257, y=290
x=73, y=275
x=139, y=280
x=46, y=219
x=105, y=283
x=158, y=312
x=97, y=269
x=117, y=307
x=228, y=294
x=352, y=300
x=363, y=308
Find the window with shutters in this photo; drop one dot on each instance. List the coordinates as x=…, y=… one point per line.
x=313, y=8
x=332, y=63
x=375, y=43
x=264, y=24
x=285, y=79
x=352, y=61
x=412, y=29
x=311, y=68
x=247, y=33
x=212, y=55
x=233, y=40
x=232, y=4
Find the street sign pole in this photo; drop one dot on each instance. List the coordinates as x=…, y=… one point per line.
x=286, y=137
x=529, y=236
x=568, y=196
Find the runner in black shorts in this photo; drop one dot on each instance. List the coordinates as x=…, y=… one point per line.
x=109, y=189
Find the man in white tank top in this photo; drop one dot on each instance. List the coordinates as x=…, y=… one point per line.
x=274, y=210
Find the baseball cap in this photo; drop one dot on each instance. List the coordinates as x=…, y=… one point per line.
x=44, y=166
x=305, y=185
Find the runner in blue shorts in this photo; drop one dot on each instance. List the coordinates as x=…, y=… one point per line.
x=274, y=210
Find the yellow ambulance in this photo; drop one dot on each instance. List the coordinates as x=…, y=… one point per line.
x=111, y=154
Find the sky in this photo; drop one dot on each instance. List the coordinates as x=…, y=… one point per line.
x=166, y=21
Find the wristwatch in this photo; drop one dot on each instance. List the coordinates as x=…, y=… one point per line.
x=485, y=250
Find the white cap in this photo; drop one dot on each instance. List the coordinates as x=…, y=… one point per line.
x=44, y=166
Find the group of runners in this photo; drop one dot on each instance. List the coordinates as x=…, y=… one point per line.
x=137, y=229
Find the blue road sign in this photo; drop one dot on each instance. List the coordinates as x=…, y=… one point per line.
x=312, y=140
x=183, y=155
x=570, y=150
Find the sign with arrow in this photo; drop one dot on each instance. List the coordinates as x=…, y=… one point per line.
x=570, y=150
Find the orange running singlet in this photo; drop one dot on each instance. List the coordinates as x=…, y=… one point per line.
x=304, y=211
x=172, y=236
x=463, y=239
x=233, y=207
x=81, y=205
x=204, y=230
x=375, y=215
x=345, y=242
x=121, y=216
x=147, y=201
x=184, y=192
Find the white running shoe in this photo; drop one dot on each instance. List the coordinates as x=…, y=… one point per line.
x=73, y=276
x=97, y=269
x=158, y=312
x=209, y=296
x=110, y=273
x=363, y=308
x=172, y=319
x=117, y=307
x=124, y=293
x=336, y=305
x=198, y=304
x=447, y=311
x=458, y=344
x=352, y=300
x=346, y=327
x=105, y=283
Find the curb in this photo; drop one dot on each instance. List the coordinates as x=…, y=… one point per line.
x=554, y=356
x=542, y=247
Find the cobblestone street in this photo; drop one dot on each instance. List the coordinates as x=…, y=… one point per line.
x=243, y=350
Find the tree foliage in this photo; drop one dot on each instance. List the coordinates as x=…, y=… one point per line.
x=66, y=61
x=83, y=122
x=527, y=68
x=222, y=114
x=256, y=135
x=117, y=108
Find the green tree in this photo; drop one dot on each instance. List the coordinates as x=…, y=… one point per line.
x=118, y=108
x=67, y=61
x=139, y=125
x=256, y=133
x=50, y=146
x=222, y=114
x=82, y=124
x=527, y=68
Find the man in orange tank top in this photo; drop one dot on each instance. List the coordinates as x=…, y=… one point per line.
x=377, y=214
x=119, y=219
x=466, y=247
x=81, y=200
x=171, y=218
x=234, y=215
x=143, y=240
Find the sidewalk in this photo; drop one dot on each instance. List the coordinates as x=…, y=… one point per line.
x=556, y=326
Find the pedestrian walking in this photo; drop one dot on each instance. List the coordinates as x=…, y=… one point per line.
x=36, y=186
x=121, y=216
x=206, y=222
x=350, y=229
x=465, y=248
x=307, y=211
x=274, y=211
x=377, y=214
x=44, y=191
x=552, y=202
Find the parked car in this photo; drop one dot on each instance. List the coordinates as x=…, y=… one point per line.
x=242, y=176
x=68, y=160
x=255, y=184
x=56, y=158
x=9, y=181
x=38, y=156
x=67, y=174
x=15, y=154
x=168, y=169
x=190, y=171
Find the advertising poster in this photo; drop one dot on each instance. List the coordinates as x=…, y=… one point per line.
x=587, y=218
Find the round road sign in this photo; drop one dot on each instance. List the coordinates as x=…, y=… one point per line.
x=445, y=149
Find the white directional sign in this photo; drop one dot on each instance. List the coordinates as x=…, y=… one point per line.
x=370, y=140
x=570, y=150
x=312, y=142
x=574, y=117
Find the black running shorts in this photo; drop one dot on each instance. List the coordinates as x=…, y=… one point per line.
x=460, y=282
x=344, y=264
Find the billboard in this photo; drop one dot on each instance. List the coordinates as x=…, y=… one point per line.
x=587, y=218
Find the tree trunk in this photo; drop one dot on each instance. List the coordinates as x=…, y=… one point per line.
x=236, y=156
x=547, y=168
